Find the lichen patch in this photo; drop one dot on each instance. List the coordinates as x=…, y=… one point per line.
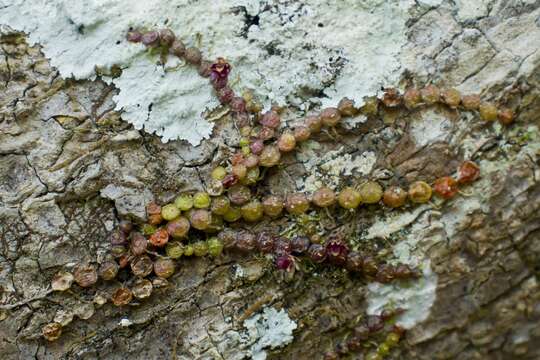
x=330, y=168
x=300, y=37
x=270, y=330
x=416, y=298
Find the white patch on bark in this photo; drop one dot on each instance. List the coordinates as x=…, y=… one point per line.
x=416, y=298
x=270, y=330
x=432, y=128
x=125, y=322
x=329, y=169
x=294, y=51
x=395, y=222
x=238, y=272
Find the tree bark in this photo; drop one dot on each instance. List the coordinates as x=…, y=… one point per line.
x=70, y=168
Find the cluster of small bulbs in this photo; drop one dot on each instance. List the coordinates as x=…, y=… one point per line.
x=170, y=229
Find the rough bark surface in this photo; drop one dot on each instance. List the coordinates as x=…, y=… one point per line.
x=70, y=168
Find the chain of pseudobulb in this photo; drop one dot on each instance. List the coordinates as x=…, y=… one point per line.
x=156, y=245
